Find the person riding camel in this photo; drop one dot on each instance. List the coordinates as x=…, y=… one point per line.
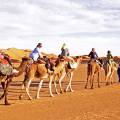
x=93, y=55
x=36, y=55
x=64, y=50
x=65, y=53
x=109, y=57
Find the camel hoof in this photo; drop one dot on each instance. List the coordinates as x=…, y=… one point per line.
x=91, y=87
x=107, y=83
x=7, y=103
x=85, y=87
x=20, y=97
x=37, y=97
x=71, y=90
x=65, y=90
x=57, y=93
x=30, y=98
x=62, y=92
x=52, y=96
x=99, y=86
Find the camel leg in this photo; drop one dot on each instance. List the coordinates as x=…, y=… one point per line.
x=56, y=87
x=98, y=79
x=69, y=84
x=39, y=87
x=20, y=96
x=88, y=76
x=56, y=91
x=106, y=79
x=23, y=86
x=111, y=81
x=6, y=91
x=60, y=81
x=2, y=96
x=50, y=86
x=3, y=86
x=92, y=80
x=27, y=89
x=108, y=75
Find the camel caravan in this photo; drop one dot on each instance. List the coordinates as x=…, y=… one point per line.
x=55, y=70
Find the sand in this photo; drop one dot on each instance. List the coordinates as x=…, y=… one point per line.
x=82, y=104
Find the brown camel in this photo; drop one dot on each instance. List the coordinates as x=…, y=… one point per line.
x=69, y=71
x=8, y=79
x=40, y=71
x=93, y=68
x=109, y=71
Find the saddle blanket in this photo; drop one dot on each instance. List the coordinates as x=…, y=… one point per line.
x=6, y=69
x=73, y=65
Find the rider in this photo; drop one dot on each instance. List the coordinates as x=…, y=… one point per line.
x=64, y=50
x=93, y=55
x=65, y=53
x=109, y=57
x=36, y=53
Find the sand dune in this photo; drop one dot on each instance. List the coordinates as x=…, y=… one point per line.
x=18, y=54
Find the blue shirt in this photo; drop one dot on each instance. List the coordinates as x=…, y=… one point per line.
x=93, y=55
x=35, y=53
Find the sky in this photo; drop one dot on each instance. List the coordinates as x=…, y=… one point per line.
x=81, y=24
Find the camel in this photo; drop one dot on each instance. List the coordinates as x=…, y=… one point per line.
x=69, y=71
x=8, y=79
x=109, y=71
x=40, y=71
x=93, y=68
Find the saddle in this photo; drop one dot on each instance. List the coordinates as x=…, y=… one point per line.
x=48, y=64
x=3, y=61
x=72, y=65
x=6, y=69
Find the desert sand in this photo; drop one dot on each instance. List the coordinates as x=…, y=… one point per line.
x=82, y=104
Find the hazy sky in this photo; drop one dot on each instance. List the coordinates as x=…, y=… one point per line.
x=81, y=24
